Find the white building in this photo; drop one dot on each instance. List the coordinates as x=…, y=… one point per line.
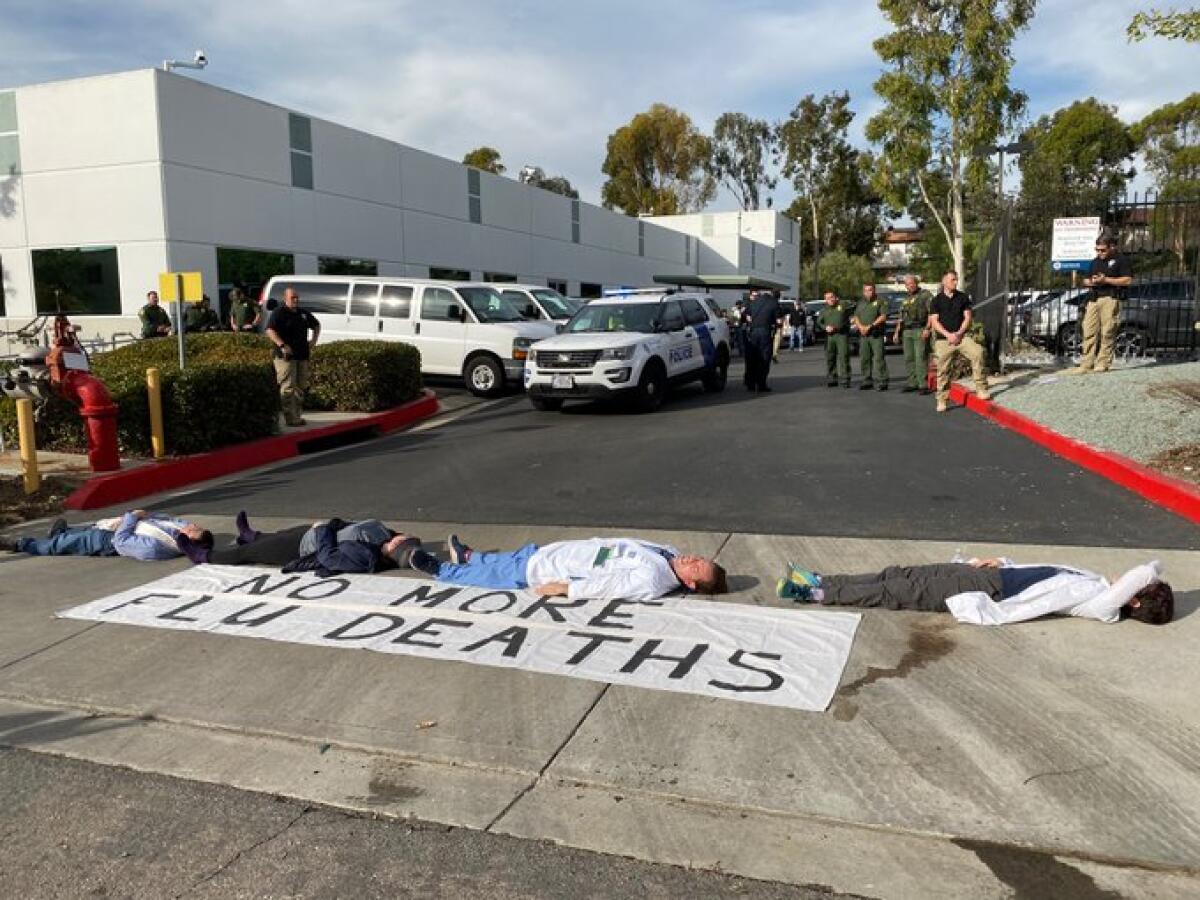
x=108, y=181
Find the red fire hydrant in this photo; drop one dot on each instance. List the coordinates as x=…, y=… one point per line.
x=71, y=380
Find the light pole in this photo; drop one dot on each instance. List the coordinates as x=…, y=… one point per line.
x=1016, y=148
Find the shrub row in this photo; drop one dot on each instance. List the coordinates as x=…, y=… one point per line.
x=227, y=393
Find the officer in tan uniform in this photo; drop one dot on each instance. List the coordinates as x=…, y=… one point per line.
x=1110, y=277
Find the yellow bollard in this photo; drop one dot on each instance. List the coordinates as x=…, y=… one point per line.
x=28, y=442
x=158, y=440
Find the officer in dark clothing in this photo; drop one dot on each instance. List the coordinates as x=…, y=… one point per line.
x=764, y=314
x=154, y=319
x=288, y=329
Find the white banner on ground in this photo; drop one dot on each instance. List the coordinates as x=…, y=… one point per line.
x=779, y=657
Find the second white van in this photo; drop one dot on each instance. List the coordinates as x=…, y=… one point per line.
x=466, y=330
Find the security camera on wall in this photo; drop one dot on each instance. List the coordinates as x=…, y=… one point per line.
x=200, y=59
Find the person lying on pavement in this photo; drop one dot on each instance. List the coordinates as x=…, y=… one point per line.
x=595, y=569
x=327, y=547
x=993, y=591
x=137, y=534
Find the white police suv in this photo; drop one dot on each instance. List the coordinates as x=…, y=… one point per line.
x=631, y=345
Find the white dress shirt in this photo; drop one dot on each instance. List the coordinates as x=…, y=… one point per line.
x=606, y=568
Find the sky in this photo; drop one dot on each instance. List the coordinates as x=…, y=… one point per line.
x=547, y=82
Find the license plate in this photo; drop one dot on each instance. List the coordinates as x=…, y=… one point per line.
x=563, y=382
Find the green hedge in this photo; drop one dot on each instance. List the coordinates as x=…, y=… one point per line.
x=227, y=394
x=363, y=376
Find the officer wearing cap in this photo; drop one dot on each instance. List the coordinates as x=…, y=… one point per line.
x=834, y=321
x=763, y=316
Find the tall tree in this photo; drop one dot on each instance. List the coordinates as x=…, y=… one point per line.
x=1170, y=140
x=946, y=94
x=556, y=184
x=657, y=164
x=854, y=212
x=742, y=149
x=817, y=156
x=841, y=272
x=485, y=158
x=1183, y=25
x=1079, y=156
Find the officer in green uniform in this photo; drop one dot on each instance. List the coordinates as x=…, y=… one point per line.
x=913, y=329
x=154, y=319
x=244, y=314
x=834, y=320
x=868, y=320
x=201, y=317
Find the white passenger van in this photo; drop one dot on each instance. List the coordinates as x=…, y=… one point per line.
x=461, y=329
x=538, y=302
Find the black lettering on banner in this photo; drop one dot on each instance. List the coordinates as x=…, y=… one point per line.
x=236, y=618
x=258, y=584
x=302, y=592
x=774, y=679
x=422, y=596
x=342, y=632
x=551, y=606
x=137, y=601
x=683, y=663
x=610, y=611
x=174, y=614
x=593, y=642
x=513, y=638
x=469, y=605
x=426, y=628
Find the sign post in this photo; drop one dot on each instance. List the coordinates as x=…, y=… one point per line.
x=180, y=288
x=1073, y=246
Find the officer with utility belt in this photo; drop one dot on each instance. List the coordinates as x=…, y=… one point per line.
x=912, y=333
x=834, y=321
x=868, y=320
x=762, y=315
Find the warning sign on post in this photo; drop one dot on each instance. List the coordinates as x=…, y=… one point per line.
x=1073, y=245
x=175, y=286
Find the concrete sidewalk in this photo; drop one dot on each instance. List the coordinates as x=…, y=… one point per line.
x=1059, y=755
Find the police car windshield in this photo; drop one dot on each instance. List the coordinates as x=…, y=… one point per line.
x=556, y=305
x=614, y=317
x=489, y=306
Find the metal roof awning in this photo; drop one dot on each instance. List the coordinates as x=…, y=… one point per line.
x=732, y=282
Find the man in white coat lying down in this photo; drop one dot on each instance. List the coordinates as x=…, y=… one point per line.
x=993, y=591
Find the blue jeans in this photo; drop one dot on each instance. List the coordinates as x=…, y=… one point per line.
x=490, y=570
x=72, y=542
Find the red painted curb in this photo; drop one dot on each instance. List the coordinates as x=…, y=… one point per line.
x=1170, y=493
x=120, y=487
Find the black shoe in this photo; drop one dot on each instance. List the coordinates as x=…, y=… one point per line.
x=866, y=386
x=924, y=392
x=246, y=534
x=882, y=387
x=846, y=385
x=907, y=389
x=193, y=551
x=423, y=561
x=8, y=544
x=57, y=528
x=831, y=384
x=764, y=390
x=459, y=552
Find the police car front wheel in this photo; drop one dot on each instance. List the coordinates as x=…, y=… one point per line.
x=714, y=379
x=650, y=389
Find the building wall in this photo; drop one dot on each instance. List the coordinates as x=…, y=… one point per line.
x=168, y=168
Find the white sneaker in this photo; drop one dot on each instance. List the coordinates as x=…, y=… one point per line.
x=941, y=407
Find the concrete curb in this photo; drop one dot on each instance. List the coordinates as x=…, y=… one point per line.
x=1178, y=496
x=120, y=487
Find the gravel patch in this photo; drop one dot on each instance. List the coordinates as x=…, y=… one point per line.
x=1138, y=412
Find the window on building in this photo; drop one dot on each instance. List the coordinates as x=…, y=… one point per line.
x=395, y=302
x=498, y=277
x=81, y=280
x=3, y=291
x=325, y=297
x=300, y=142
x=590, y=291
x=362, y=300
x=641, y=238
x=575, y=230
x=753, y=255
x=557, y=285
x=474, y=196
x=10, y=148
x=336, y=265
x=687, y=249
x=436, y=304
x=449, y=274
x=706, y=225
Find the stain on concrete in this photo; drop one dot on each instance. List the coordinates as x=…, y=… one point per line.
x=387, y=783
x=927, y=643
x=1034, y=874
